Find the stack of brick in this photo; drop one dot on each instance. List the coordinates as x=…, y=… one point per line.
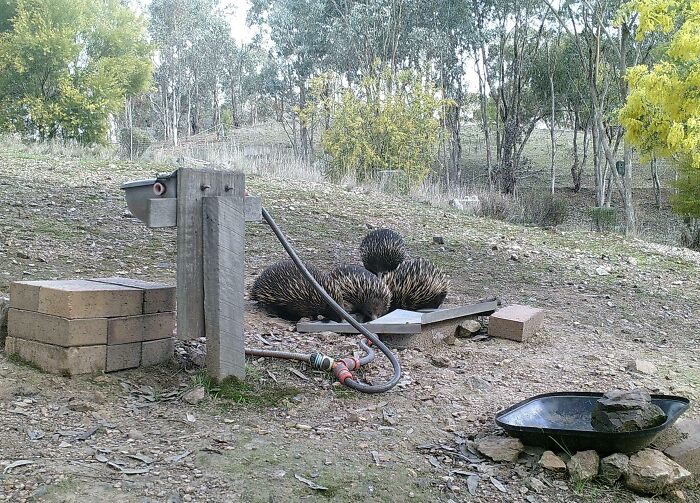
x=87, y=326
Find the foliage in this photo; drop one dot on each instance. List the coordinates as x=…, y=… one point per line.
x=543, y=209
x=66, y=65
x=662, y=113
x=134, y=141
x=388, y=123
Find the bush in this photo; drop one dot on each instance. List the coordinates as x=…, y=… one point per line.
x=690, y=234
x=544, y=210
x=604, y=219
x=390, y=122
x=141, y=141
x=499, y=207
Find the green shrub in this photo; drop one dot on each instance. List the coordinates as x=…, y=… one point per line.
x=603, y=219
x=133, y=143
x=543, y=209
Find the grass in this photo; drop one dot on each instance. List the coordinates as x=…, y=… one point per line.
x=250, y=391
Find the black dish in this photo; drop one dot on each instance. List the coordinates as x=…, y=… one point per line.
x=563, y=421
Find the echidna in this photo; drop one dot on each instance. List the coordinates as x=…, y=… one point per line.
x=382, y=250
x=283, y=289
x=363, y=291
x=417, y=284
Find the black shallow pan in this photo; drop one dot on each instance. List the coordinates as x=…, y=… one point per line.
x=563, y=421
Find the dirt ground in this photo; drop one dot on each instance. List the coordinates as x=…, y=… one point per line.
x=129, y=437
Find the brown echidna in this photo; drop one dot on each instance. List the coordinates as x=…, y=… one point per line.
x=282, y=289
x=382, y=250
x=363, y=291
x=417, y=284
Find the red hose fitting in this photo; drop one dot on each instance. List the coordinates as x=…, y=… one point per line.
x=340, y=369
x=351, y=363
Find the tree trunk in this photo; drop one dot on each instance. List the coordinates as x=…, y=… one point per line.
x=551, y=130
x=484, y=117
x=655, y=181
x=303, y=129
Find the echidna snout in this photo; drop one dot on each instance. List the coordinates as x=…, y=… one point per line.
x=363, y=291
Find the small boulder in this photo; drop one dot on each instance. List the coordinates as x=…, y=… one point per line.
x=642, y=366
x=468, y=328
x=195, y=395
x=552, y=462
x=626, y=410
x=441, y=361
x=613, y=467
x=583, y=465
x=651, y=472
x=500, y=448
x=438, y=240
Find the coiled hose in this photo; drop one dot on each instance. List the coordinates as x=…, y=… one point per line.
x=341, y=368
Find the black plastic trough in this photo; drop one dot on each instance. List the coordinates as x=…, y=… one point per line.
x=563, y=421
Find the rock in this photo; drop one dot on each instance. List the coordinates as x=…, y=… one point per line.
x=536, y=484
x=4, y=309
x=195, y=395
x=626, y=410
x=583, y=465
x=80, y=406
x=441, y=361
x=500, y=448
x=613, y=467
x=678, y=495
x=468, y=328
x=632, y=261
x=651, y=472
x=643, y=367
x=476, y=382
x=23, y=255
x=438, y=240
x=38, y=493
x=552, y=462
x=685, y=449
x=602, y=271
x=135, y=435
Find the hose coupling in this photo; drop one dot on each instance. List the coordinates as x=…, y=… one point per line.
x=321, y=362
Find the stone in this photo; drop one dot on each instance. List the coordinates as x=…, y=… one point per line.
x=552, y=462
x=56, y=330
x=613, y=467
x=686, y=449
x=536, y=485
x=123, y=356
x=602, y=271
x=467, y=328
x=651, y=472
x=438, y=240
x=500, y=448
x=4, y=309
x=441, y=361
x=157, y=297
x=516, y=322
x=157, y=352
x=76, y=298
x=583, y=465
x=626, y=410
x=678, y=495
x=57, y=359
x=195, y=395
x=643, y=367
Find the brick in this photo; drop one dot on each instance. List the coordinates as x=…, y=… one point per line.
x=516, y=322
x=123, y=356
x=146, y=327
x=57, y=359
x=157, y=297
x=76, y=298
x=56, y=330
x=158, y=351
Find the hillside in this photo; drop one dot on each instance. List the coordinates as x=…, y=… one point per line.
x=609, y=301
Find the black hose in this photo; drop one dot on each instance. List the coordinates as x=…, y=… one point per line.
x=351, y=383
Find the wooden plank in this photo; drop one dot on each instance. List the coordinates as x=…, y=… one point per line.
x=224, y=270
x=162, y=212
x=190, y=281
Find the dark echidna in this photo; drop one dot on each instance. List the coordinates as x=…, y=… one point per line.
x=417, y=284
x=382, y=250
x=362, y=291
x=282, y=289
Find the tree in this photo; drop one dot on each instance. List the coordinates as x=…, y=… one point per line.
x=391, y=122
x=662, y=112
x=67, y=65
